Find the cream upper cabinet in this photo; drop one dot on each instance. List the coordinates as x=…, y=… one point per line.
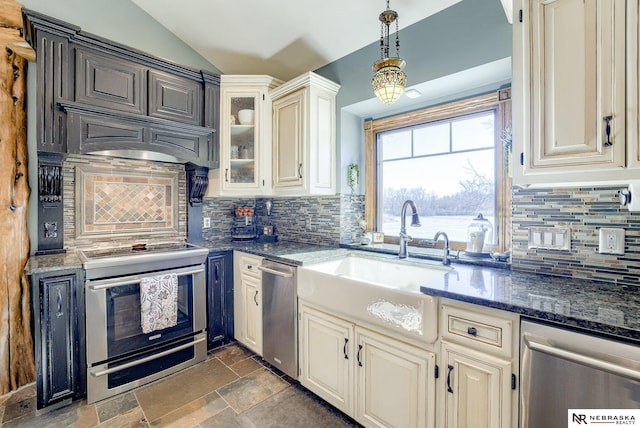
x=245, y=137
x=304, y=136
x=569, y=91
x=376, y=379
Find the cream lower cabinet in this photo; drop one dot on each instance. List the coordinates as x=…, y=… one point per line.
x=478, y=388
x=377, y=380
x=247, y=294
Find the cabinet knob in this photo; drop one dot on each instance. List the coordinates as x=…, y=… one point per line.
x=472, y=331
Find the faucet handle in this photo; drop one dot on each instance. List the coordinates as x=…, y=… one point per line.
x=406, y=237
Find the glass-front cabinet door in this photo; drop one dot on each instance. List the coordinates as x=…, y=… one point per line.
x=243, y=168
x=245, y=136
x=240, y=136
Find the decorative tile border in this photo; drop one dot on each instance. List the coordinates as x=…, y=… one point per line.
x=112, y=202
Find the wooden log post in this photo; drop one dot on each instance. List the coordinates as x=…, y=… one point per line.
x=17, y=365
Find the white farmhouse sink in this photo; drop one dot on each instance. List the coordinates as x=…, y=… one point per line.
x=378, y=290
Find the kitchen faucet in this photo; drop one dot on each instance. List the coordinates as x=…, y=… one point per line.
x=415, y=222
x=434, y=242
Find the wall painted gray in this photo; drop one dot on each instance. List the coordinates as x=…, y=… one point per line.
x=463, y=36
x=124, y=22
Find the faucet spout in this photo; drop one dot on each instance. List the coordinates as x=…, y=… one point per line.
x=445, y=255
x=415, y=222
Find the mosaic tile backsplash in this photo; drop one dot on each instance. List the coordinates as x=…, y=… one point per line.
x=325, y=220
x=585, y=210
x=117, y=202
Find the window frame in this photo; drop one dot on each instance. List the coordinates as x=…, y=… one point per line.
x=500, y=102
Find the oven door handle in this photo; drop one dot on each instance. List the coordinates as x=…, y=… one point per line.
x=147, y=359
x=135, y=279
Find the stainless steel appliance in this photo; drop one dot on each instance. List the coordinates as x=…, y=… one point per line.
x=120, y=356
x=563, y=369
x=280, y=316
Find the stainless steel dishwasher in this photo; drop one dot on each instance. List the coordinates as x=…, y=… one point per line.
x=280, y=316
x=563, y=369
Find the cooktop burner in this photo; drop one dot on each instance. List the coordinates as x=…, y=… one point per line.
x=111, y=262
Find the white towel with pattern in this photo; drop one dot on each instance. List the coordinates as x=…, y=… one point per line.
x=158, y=302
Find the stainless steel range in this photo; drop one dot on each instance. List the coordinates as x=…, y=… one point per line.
x=120, y=354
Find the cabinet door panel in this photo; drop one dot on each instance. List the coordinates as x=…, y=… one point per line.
x=253, y=313
x=577, y=80
x=288, y=135
x=219, y=299
x=175, y=98
x=58, y=353
x=110, y=82
x=394, y=388
x=327, y=358
x=480, y=394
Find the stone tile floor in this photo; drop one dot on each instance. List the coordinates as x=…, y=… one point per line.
x=232, y=388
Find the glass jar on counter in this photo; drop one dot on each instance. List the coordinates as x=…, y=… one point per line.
x=479, y=237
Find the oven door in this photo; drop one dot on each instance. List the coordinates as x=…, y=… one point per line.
x=113, y=310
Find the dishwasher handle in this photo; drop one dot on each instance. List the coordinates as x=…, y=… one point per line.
x=586, y=360
x=285, y=274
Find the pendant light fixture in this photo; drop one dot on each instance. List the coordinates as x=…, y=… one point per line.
x=389, y=80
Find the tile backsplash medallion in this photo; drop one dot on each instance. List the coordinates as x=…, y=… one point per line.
x=119, y=202
x=585, y=210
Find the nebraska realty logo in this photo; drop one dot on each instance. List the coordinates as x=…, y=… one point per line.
x=599, y=417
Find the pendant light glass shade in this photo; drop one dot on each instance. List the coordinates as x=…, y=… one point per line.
x=389, y=80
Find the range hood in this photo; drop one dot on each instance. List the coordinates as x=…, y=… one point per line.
x=96, y=131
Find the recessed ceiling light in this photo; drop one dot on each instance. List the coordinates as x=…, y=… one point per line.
x=412, y=93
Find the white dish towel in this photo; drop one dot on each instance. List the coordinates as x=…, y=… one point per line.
x=158, y=302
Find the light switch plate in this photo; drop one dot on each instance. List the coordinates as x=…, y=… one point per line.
x=611, y=240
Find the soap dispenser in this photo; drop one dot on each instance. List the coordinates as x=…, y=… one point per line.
x=479, y=234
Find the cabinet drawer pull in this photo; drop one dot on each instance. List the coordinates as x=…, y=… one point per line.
x=449, y=389
x=255, y=298
x=344, y=349
x=472, y=331
x=300, y=171
x=607, y=130
x=226, y=175
x=358, y=356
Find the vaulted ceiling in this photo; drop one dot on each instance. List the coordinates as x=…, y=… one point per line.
x=282, y=38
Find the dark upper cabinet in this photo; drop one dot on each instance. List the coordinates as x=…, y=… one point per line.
x=59, y=345
x=175, y=98
x=110, y=82
x=145, y=93
x=219, y=298
x=212, y=115
x=54, y=84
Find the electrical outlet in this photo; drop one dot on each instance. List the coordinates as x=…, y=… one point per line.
x=206, y=222
x=611, y=241
x=307, y=223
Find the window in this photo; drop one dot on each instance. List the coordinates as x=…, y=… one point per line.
x=449, y=161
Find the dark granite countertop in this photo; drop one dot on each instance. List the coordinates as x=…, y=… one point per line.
x=293, y=253
x=595, y=306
